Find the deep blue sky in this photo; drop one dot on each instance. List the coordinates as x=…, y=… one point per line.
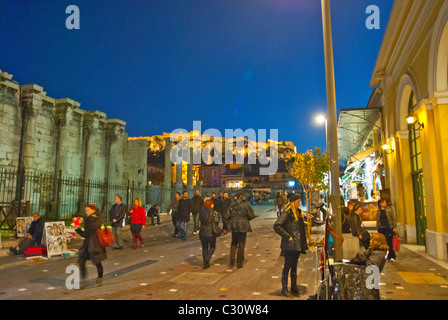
x=161, y=64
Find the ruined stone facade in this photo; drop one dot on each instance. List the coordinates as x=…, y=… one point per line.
x=61, y=137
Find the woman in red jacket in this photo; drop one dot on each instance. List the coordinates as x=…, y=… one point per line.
x=138, y=221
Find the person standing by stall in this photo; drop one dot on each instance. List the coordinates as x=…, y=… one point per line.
x=138, y=221
x=356, y=228
x=387, y=224
x=291, y=227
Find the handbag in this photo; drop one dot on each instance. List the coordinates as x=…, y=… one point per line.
x=395, y=243
x=365, y=237
x=216, y=230
x=105, y=237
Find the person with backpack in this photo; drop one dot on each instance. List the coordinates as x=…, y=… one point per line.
x=236, y=221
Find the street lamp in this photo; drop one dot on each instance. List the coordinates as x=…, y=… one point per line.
x=332, y=139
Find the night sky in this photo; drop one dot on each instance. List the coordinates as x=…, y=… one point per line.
x=160, y=65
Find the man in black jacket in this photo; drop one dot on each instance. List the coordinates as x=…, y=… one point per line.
x=116, y=216
x=183, y=215
x=33, y=236
x=197, y=202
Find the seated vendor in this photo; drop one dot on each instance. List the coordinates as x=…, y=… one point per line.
x=375, y=255
x=33, y=236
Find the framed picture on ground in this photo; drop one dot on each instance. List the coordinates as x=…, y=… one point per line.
x=55, y=238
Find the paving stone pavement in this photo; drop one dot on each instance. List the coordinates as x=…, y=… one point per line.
x=168, y=268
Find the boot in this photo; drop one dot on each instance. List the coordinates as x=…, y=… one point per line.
x=141, y=240
x=99, y=282
x=285, y=291
x=294, y=288
x=134, y=241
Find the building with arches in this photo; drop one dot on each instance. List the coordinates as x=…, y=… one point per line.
x=411, y=76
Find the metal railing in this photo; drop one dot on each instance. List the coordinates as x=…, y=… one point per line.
x=58, y=198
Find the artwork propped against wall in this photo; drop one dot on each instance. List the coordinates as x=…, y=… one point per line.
x=22, y=226
x=55, y=238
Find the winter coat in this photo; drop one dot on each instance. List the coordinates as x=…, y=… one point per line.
x=355, y=224
x=390, y=218
x=207, y=217
x=217, y=204
x=138, y=216
x=173, y=206
x=36, y=230
x=369, y=258
x=196, y=203
x=184, y=209
x=90, y=248
x=118, y=212
x=225, y=205
x=288, y=227
x=237, y=218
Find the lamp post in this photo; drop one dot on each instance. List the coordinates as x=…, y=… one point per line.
x=332, y=140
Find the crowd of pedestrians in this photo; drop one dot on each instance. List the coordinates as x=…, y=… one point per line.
x=220, y=215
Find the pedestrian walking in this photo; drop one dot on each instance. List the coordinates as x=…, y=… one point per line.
x=278, y=203
x=197, y=202
x=183, y=215
x=153, y=213
x=138, y=221
x=291, y=227
x=33, y=236
x=217, y=206
x=173, y=208
x=387, y=225
x=91, y=248
x=116, y=216
x=225, y=203
x=237, y=222
x=207, y=233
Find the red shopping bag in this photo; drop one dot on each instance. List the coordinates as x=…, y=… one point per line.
x=396, y=243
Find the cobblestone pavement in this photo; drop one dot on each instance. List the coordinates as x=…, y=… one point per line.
x=169, y=269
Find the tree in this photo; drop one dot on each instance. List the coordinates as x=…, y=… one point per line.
x=311, y=169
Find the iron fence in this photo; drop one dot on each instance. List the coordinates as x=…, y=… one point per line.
x=58, y=198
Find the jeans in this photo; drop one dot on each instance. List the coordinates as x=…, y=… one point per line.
x=196, y=221
x=279, y=210
x=389, y=234
x=208, y=248
x=152, y=219
x=291, y=260
x=237, y=247
x=182, y=226
x=116, y=231
x=174, y=220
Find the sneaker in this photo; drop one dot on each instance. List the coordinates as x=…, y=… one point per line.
x=392, y=260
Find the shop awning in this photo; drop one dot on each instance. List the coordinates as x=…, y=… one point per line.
x=364, y=154
x=354, y=128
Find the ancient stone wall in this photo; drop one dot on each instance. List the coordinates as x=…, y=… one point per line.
x=62, y=137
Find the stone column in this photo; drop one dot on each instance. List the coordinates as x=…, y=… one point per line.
x=166, y=188
x=179, y=182
x=190, y=174
x=114, y=140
